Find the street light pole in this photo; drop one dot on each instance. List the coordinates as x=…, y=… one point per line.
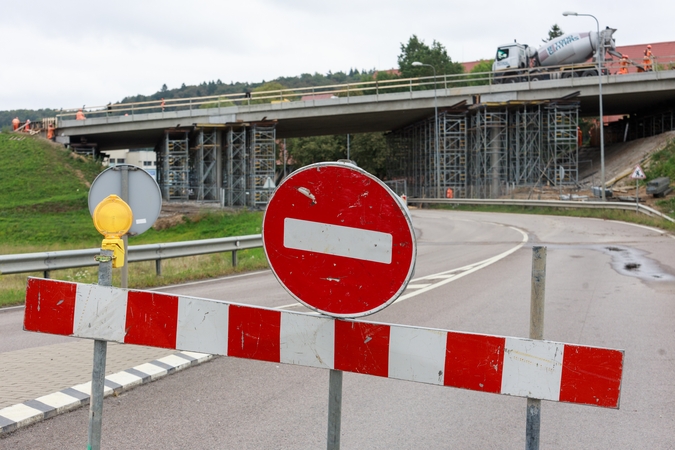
x=436, y=131
x=599, y=57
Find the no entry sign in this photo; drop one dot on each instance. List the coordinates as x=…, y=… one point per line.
x=339, y=240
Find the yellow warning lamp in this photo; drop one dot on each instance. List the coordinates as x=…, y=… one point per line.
x=112, y=218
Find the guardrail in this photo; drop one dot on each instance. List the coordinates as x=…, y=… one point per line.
x=375, y=87
x=626, y=206
x=70, y=259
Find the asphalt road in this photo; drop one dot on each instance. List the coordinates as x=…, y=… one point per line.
x=608, y=284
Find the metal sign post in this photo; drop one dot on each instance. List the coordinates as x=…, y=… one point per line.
x=98, y=371
x=638, y=174
x=533, y=425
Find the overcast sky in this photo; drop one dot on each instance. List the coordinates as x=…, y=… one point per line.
x=67, y=53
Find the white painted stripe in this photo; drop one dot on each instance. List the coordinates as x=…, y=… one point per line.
x=20, y=413
x=198, y=356
x=100, y=312
x=417, y=354
x=307, y=340
x=202, y=325
x=337, y=240
x=175, y=361
x=151, y=369
x=471, y=269
x=532, y=368
x=125, y=379
x=417, y=286
x=58, y=400
x=85, y=388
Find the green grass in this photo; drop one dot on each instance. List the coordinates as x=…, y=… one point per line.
x=43, y=207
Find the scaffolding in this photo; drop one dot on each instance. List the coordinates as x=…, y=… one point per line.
x=487, y=147
x=525, y=142
x=204, y=161
x=173, y=161
x=235, y=167
x=261, y=178
x=562, y=158
x=453, y=149
x=488, y=162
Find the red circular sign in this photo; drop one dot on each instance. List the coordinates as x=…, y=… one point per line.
x=339, y=240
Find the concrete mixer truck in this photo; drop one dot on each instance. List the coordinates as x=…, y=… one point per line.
x=563, y=57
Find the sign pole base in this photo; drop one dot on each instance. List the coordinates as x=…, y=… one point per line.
x=334, y=409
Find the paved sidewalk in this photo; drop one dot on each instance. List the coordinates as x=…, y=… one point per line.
x=37, y=383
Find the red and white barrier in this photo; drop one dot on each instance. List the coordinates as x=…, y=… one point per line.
x=501, y=365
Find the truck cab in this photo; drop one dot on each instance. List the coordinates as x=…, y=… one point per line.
x=510, y=56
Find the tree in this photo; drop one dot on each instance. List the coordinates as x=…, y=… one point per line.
x=485, y=65
x=164, y=88
x=553, y=33
x=436, y=55
x=368, y=150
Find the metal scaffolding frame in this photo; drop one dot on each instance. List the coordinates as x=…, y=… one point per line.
x=262, y=164
x=488, y=161
x=525, y=144
x=453, y=150
x=562, y=149
x=173, y=161
x=204, y=162
x=235, y=164
x=486, y=147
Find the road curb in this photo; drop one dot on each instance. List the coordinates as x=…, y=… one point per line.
x=33, y=411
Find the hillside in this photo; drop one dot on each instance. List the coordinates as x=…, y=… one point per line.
x=43, y=192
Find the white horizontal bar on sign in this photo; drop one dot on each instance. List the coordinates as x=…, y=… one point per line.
x=338, y=240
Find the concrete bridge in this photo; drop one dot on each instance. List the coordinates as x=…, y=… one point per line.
x=355, y=108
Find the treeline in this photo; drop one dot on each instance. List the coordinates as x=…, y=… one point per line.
x=219, y=88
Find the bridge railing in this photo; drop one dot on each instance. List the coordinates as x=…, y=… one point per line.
x=326, y=93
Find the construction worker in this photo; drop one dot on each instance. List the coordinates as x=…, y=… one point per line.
x=623, y=65
x=50, y=131
x=15, y=123
x=162, y=104
x=79, y=115
x=26, y=127
x=647, y=60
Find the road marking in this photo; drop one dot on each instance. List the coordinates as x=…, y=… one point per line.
x=337, y=240
x=463, y=271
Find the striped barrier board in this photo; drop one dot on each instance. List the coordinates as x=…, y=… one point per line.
x=502, y=365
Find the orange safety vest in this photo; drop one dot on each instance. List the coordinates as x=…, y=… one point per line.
x=50, y=132
x=79, y=115
x=624, y=66
x=15, y=123
x=647, y=60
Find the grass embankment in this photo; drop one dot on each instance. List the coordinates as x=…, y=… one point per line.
x=662, y=164
x=43, y=207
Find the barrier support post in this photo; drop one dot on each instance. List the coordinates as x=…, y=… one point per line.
x=334, y=409
x=533, y=424
x=98, y=371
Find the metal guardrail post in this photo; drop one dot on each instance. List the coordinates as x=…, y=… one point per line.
x=45, y=274
x=158, y=267
x=234, y=258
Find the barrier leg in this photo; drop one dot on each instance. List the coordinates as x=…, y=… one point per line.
x=334, y=409
x=533, y=424
x=98, y=371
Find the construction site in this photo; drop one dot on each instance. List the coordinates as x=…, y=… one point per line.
x=484, y=150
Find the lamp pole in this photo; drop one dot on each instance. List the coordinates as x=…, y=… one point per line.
x=436, y=146
x=599, y=57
